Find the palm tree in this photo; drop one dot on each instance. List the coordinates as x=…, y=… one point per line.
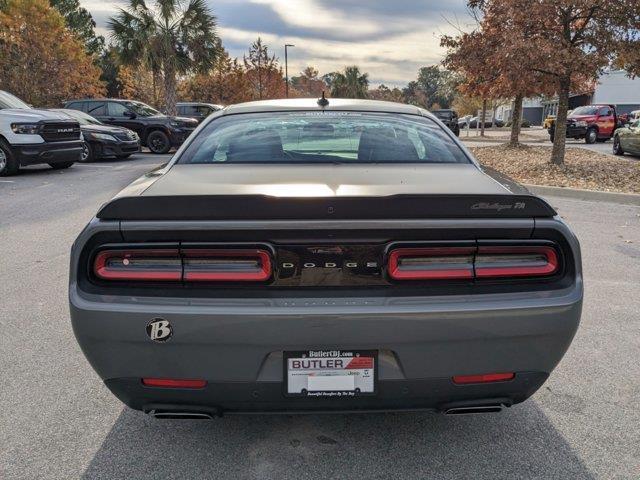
x=349, y=84
x=172, y=37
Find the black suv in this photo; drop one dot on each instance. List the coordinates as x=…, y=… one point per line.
x=449, y=118
x=157, y=131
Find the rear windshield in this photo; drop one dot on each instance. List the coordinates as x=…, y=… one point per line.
x=323, y=137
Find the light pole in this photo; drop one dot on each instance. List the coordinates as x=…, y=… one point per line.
x=286, y=66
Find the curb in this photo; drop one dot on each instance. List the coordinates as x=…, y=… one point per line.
x=591, y=195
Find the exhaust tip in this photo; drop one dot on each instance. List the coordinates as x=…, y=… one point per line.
x=473, y=410
x=168, y=415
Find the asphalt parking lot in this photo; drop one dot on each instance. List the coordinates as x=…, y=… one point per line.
x=58, y=421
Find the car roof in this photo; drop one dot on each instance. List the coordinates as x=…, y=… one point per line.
x=101, y=100
x=299, y=104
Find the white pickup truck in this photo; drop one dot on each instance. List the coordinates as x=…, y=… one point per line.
x=29, y=136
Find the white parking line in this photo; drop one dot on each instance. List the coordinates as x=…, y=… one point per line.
x=7, y=181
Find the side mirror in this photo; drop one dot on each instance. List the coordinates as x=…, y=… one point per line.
x=130, y=114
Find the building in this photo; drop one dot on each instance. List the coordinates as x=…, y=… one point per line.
x=613, y=88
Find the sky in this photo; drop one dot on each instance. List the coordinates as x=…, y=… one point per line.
x=389, y=39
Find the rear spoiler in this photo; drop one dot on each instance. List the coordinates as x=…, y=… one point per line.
x=260, y=207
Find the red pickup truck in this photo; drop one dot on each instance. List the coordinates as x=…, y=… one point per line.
x=594, y=123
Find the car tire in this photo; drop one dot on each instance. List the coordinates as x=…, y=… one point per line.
x=61, y=165
x=8, y=163
x=158, y=142
x=591, y=136
x=617, y=148
x=87, y=153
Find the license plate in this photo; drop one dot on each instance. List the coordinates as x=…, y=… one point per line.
x=330, y=373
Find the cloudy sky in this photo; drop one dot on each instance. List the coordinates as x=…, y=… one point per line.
x=390, y=39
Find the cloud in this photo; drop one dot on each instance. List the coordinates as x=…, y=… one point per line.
x=390, y=40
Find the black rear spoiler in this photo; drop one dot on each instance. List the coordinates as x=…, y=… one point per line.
x=260, y=207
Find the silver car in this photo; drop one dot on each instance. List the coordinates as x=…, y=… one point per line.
x=331, y=255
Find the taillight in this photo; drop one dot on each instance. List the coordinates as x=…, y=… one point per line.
x=433, y=263
x=516, y=261
x=151, y=265
x=189, y=265
x=485, y=378
x=451, y=263
x=226, y=265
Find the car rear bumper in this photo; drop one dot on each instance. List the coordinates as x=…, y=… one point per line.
x=237, y=346
x=436, y=394
x=48, y=152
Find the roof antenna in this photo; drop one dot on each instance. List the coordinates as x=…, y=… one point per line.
x=323, y=102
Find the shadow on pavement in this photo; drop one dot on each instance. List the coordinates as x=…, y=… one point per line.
x=518, y=443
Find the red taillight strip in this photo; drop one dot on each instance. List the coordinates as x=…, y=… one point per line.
x=126, y=272
x=481, y=262
x=549, y=267
x=485, y=378
x=446, y=269
x=173, y=383
x=190, y=265
x=260, y=273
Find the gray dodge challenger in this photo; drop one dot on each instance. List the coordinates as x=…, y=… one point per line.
x=324, y=255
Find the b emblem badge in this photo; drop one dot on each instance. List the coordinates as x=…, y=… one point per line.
x=159, y=330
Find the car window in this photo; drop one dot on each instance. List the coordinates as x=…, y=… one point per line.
x=142, y=109
x=323, y=137
x=11, y=101
x=117, y=109
x=588, y=110
x=80, y=106
x=203, y=110
x=604, y=111
x=96, y=109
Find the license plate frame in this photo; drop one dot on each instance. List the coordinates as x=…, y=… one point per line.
x=344, y=354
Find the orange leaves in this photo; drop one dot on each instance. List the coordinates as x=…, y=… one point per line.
x=40, y=60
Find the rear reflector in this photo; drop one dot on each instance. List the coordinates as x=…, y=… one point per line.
x=190, y=265
x=152, y=265
x=445, y=263
x=173, y=383
x=227, y=265
x=486, y=378
x=516, y=261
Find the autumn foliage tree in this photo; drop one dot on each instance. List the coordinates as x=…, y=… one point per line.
x=225, y=83
x=564, y=43
x=41, y=61
x=308, y=84
x=263, y=72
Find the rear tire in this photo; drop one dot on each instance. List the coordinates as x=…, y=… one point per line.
x=158, y=142
x=617, y=148
x=61, y=165
x=591, y=136
x=8, y=164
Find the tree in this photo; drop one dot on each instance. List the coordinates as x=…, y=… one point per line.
x=225, y=83
x=436, y=86
x=308, y=84
x=349, y=83
x=171, y=37
x=40, y=60
x=81, y=23
x=387, y=94
x=566, y=42
x=263, y=71
x=490, y=71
